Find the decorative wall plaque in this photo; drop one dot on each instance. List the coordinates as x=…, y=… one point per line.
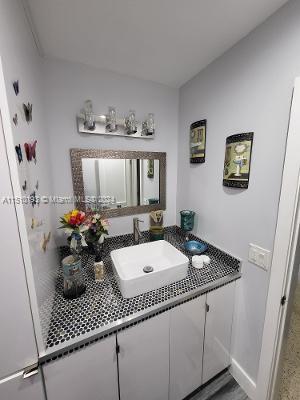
x=198, y=141
x=238, y=160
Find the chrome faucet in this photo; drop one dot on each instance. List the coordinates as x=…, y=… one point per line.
x=137, y=235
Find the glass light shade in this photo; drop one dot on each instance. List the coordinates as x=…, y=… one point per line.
x=131, y=123
x=89, y=121
x=150, y=124
x=111, y=125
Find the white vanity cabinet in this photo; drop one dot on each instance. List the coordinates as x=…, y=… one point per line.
x=200, y=338
x=186, y=347
x=90, y=373
x=144, y=360
x=165, y=357
x=218, y=327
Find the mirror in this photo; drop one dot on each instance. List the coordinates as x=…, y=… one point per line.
x=118, y=182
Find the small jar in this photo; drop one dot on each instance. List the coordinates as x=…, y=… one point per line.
x=99, y=271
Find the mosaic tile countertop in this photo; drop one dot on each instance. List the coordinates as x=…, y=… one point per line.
x=102, y=308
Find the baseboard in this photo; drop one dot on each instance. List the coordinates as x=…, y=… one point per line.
x=244, y=380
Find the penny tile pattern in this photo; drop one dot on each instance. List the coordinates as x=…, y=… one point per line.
x=103, y=304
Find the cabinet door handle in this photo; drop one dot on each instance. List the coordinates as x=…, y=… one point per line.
x=207, y=307
x=30, y=371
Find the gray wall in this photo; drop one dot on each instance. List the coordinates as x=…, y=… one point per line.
x=67, y=85
x=249, y=88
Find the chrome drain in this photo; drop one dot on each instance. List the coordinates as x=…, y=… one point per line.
x=148, y=269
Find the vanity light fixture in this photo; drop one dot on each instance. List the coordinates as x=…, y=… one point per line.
x=110, y=124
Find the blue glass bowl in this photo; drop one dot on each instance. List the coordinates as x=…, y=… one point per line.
x=195, y=247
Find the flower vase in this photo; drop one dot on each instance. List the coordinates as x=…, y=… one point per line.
x=75, y=244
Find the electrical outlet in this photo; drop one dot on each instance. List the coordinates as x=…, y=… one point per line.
x=259, y=256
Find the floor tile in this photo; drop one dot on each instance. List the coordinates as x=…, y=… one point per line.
x=224, y=387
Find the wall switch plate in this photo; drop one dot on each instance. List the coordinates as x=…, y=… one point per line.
x=259, y=256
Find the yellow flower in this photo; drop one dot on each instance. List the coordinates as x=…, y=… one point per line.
x=67, y=217
x=74, y=213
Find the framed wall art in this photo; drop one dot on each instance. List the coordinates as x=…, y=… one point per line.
x=198, y=141
x=238, y=160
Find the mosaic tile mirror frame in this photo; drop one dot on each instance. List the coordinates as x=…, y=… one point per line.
x=142, y=193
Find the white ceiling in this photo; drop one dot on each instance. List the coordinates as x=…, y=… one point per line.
x=166, y=41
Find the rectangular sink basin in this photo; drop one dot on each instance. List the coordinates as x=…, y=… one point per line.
x=148, y=266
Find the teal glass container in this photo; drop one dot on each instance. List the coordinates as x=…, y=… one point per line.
x=187, y=220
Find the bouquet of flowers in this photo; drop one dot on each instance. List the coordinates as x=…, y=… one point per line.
x=73, y=223
x=96, y=228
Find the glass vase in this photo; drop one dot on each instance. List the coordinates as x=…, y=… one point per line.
x=187, y=220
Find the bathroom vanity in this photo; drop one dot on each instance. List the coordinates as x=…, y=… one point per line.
x=159, y=345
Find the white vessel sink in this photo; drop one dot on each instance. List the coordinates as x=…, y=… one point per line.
x=148, y=266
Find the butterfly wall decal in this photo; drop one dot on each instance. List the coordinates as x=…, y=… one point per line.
x=15, y=119
x=19, y=153
x=28, y=111
x=46, y=240
x=30, y=150
x=35, y=223
x=16, y=87
x=24, y=186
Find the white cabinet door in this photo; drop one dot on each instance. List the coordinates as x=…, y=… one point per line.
x=144, y=360
x=186, y=347
x=87, y=374
x=218, y=331
x=17, y=388
x=17, y=342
